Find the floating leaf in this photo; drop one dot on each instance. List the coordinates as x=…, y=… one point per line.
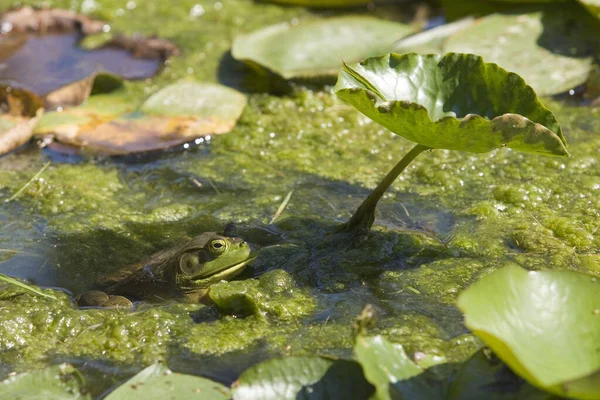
x=559, y=52
x=483, y=377
x=49, y=20
x=315, y=48
x=77, y=92
x=58, y=382
x=593, y=6
x=176, y=114
x=158, y=382
x=22, y=111
x=455, y=102
x=544, y=325
x=151, y=48
x=206, y=101
x=392, y=372
x=302, y=378
x=432, y=40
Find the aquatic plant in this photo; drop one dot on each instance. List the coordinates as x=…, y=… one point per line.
x=455, y=102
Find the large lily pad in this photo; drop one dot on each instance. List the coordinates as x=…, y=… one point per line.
x=455, y=102
x=58, y=382
x=158, y=382
x=544, y=325
x=178, y=113
x=431, y=40
x=315, y=48
x=545, y=47
x=302, y=378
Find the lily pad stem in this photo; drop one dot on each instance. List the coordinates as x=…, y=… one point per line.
x=364, y=216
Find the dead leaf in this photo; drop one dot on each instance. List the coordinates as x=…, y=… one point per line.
x=49, y=20
x=19, y=102
x=75, y=93
x=126, y=136
x=19, y=134
x=151, y=48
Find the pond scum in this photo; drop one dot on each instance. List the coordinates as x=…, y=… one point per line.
x=475, y=276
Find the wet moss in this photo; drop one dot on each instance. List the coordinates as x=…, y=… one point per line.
x=451, y=218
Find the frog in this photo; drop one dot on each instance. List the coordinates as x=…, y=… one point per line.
x=184, y=271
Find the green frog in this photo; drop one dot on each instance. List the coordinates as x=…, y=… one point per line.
x=184, y=271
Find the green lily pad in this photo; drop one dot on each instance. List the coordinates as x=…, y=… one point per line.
x=302, y=378
x=484, y=377
x=179, y=113
x=315, y=48
x=207, y=101
x=322, y=3
x=544, y=325
x=159, y=382
x=456, y=9
x=431, y=40
x=455, y=102
x=58, y=382
x=559, y=53
x=593, y=6
x=392, y=372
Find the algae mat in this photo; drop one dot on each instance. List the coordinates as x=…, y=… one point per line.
x=452, y=219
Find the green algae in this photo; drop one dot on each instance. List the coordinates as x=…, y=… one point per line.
x=452, y=218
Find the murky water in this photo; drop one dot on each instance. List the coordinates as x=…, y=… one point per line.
x=46, y=63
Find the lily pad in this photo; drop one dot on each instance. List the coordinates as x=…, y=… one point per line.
x=559, y=51
x=77, y=92
x=544, y=325
x=455, y=102
x=302, y=378
x=431, y=40
x=49, y=20
x=487, y=377
x=21, y=113
x=176, y=114
x=159, y=382
x=58, y=382
x=593, y=6
x=391, y=371
x=315, y=48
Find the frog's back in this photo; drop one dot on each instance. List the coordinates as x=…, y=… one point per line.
x=128, y=272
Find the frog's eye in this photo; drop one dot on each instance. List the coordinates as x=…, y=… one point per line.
x=217, y=246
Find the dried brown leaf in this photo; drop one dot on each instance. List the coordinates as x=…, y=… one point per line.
x=50, y=20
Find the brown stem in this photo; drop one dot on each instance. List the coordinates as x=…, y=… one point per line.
x=364, y=216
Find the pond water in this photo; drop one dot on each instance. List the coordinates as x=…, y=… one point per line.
x=46, y=63
x=450, y=219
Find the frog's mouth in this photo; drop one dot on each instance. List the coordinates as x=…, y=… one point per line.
x=230, y=271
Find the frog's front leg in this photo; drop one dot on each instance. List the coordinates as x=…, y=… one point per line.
x=97, y=298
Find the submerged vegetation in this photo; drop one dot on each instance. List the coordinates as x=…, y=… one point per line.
x=479, y=278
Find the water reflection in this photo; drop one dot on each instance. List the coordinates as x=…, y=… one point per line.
x=45, y=63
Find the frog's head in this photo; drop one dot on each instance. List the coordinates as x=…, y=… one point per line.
x=210, y=258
